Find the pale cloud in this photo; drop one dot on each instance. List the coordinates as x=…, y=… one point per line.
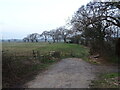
x=28, y=16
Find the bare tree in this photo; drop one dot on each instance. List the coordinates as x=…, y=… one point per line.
x=31, y=37
x=96, y=21
x=45, y=35
x=64, y=33
x=53, y=35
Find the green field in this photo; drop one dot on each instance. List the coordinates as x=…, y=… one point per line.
x=66, y=50
x=18, y=59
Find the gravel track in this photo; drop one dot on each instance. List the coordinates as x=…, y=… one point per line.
x=69, y=73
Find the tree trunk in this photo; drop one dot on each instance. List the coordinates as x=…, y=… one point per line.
x=45, y=40
x=32, y=40
x=53, y=40
x=36, y=40
x=64, y=40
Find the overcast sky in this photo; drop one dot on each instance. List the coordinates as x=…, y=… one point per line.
x=18, y=18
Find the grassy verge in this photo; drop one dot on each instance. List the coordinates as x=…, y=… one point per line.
x=19, y=61
x=110, y=80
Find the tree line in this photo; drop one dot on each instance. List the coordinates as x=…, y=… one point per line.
x=96, y=25
x=61, y=33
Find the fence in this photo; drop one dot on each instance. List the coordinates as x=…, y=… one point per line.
x=31, y=55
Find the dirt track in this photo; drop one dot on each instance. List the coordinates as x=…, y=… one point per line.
x=69, y=73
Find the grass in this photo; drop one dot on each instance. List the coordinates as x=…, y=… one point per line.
x=111, y=75
x=18, y=59
x=109, y=80
x=67, y=50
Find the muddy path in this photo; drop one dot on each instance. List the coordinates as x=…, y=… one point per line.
x=69, y=73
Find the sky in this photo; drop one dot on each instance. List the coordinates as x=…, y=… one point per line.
x=19, y=18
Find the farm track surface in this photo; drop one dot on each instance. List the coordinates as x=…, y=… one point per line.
x=69, y=73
